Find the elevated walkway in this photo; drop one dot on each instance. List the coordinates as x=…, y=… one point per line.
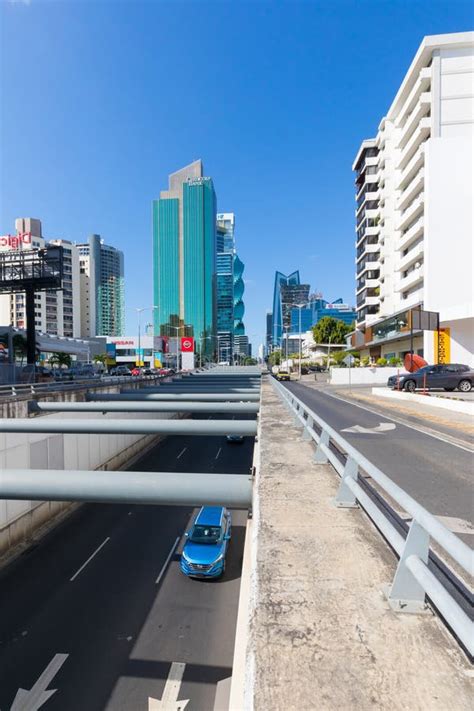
x=319, y=633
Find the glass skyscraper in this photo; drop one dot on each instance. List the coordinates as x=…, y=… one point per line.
x=230, y=291
x=184, y=258
x=287, y=290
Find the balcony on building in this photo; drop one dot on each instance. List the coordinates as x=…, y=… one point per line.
x=414, y=187
x=368, y=265
x=420, y=111
x=409, y=256
x=411, y=213
x=411, y=169
x=418, y=137
x=421, y=85
x=412, y=298
x=411, y=233
x=410, y=279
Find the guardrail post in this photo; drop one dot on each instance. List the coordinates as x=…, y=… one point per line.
x=406, y=594
x=296, y=418
x=320, y=457
x=308, y=426
x=345, y=497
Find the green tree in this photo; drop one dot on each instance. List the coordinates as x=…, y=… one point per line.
x=338, y=357
x=60, y=359
x=100, y=358
x=331, y=330
x=250, y=361
x=274, y=358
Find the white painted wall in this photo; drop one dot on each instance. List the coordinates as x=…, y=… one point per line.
x=362, y=376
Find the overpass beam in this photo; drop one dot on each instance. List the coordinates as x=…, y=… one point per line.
x=118, y=487
x=205, y=428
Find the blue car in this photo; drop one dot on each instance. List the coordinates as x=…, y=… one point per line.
x=207, y=542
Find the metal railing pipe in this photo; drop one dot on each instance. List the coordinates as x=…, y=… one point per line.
x=453, y=545
x=205, y=428
x=115, y=487
x=145, y=406
x=448, y=607
x=171, y=397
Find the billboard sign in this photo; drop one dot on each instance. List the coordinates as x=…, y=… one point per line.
x=15, y=241
x=187, y=344
x=139, y=357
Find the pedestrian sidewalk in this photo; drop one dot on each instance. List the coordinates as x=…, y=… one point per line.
x=321, y=634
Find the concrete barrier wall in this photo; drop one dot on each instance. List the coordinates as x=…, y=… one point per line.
x=362, y=376
x=20, y=519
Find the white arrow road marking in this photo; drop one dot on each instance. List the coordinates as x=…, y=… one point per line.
x=38, y=694
x=379, y=429
x=170, y=702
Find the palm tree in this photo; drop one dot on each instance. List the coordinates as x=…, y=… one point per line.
x=60, y=359
x=100, y=358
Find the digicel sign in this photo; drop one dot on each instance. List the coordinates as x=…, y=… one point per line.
x=187, y=344
x=15, y=241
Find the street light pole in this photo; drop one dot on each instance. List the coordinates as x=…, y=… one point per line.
x=299, y=338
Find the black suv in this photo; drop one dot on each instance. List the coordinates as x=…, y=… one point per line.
x=448, y=377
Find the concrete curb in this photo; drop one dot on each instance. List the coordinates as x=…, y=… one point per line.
x=444, y=403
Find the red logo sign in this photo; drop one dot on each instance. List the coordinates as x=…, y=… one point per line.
x=15, y=241
x=187, y=344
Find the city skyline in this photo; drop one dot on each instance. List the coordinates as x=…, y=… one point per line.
x=138, y=141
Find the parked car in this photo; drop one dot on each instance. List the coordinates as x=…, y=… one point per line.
x=207, y=541
x=136, y=371
x=84, y=371
x=120, y=370
x=283, y=375
x=235, y=438
x=448, y=377
x=167, y=371
x=36, y=374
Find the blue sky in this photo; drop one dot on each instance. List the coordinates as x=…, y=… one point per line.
x=102, y=100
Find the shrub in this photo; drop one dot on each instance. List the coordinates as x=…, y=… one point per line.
x=381, y=362
x=365, y=361
x=394, y=361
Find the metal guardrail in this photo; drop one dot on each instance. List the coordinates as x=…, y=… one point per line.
x=15, y=390
x=413, y=580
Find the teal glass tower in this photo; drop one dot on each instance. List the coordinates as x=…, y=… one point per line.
x=184, y=258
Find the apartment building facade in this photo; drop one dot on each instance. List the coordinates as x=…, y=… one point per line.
x=414, y=219
x=57, y=313
x=102, y=288
x=91, y=301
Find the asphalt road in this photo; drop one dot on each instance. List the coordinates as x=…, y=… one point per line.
x=438, y=474
x=120, y=629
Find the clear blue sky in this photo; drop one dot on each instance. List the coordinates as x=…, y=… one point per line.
x=101, y=100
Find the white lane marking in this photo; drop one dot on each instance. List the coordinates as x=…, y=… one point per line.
x=169, y=701
x=181, y=453
x=218, y=452
x=38, y=694
x=457, y=525
x=165, y=565
x=89, y=559
x=379, y=429
x=423, y=430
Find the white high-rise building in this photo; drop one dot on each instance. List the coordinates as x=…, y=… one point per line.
x=414, y=216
